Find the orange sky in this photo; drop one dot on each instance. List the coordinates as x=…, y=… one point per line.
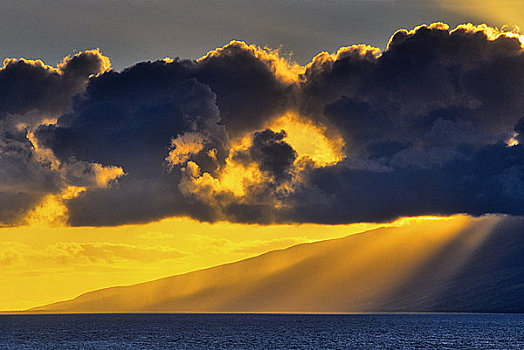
x=43, y=264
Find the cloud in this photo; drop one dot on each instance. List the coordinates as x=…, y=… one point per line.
x=425, y=126
x=430, y=126
x=67, y=253
x=220, y=246
x=153, y=118
x=32, y=93
x=26, y=85
x=137, y=135
x=11, y=253
x=273, y=156
x=107, y=253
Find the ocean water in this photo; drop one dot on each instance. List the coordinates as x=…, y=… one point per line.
x=262, y=331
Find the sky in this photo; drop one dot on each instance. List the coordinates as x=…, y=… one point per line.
x=144, y=139
x=132, y=31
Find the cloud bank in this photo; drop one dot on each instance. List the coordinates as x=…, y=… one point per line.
x=431, y=126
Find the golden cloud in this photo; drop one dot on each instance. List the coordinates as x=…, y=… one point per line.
x=288, y=71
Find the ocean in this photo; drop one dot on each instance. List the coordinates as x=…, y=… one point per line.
x=262, y=331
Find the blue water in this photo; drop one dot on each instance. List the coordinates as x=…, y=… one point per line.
x=262, y=331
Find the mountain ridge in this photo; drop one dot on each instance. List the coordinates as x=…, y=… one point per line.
x=418, y=268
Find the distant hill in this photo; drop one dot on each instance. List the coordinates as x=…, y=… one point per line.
x=466, y=265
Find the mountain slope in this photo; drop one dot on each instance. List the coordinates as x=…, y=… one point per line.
x=462, y=264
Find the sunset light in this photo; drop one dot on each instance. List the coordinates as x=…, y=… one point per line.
x=272, y=174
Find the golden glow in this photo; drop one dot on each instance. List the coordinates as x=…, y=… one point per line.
x=62, y=262
x=350, y=274
x=184, y=146
x=309, y=140
x=491, y=33
x=360, y=51
x=384, y=264
x=105, y=62
x=417, y=219
x=500, y=12
x=52, y=211
x=43, y=155
x=233, y=178
x=37, y=63
x=105, y=175
x=512, y=141
x=79, y=259
x=467, y=243
x=284, y=69
x=236, y=177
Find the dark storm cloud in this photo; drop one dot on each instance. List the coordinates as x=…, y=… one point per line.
x=31, y=85
x=23, y=179
x=519, y=129
x=248, y=87
x=130, y=119
x=31, y=92
x=134, y=133
x=272, y=154
x=426, y=77
x=489, y=180
x=427, y=127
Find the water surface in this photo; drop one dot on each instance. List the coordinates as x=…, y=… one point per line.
x=262, y=331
